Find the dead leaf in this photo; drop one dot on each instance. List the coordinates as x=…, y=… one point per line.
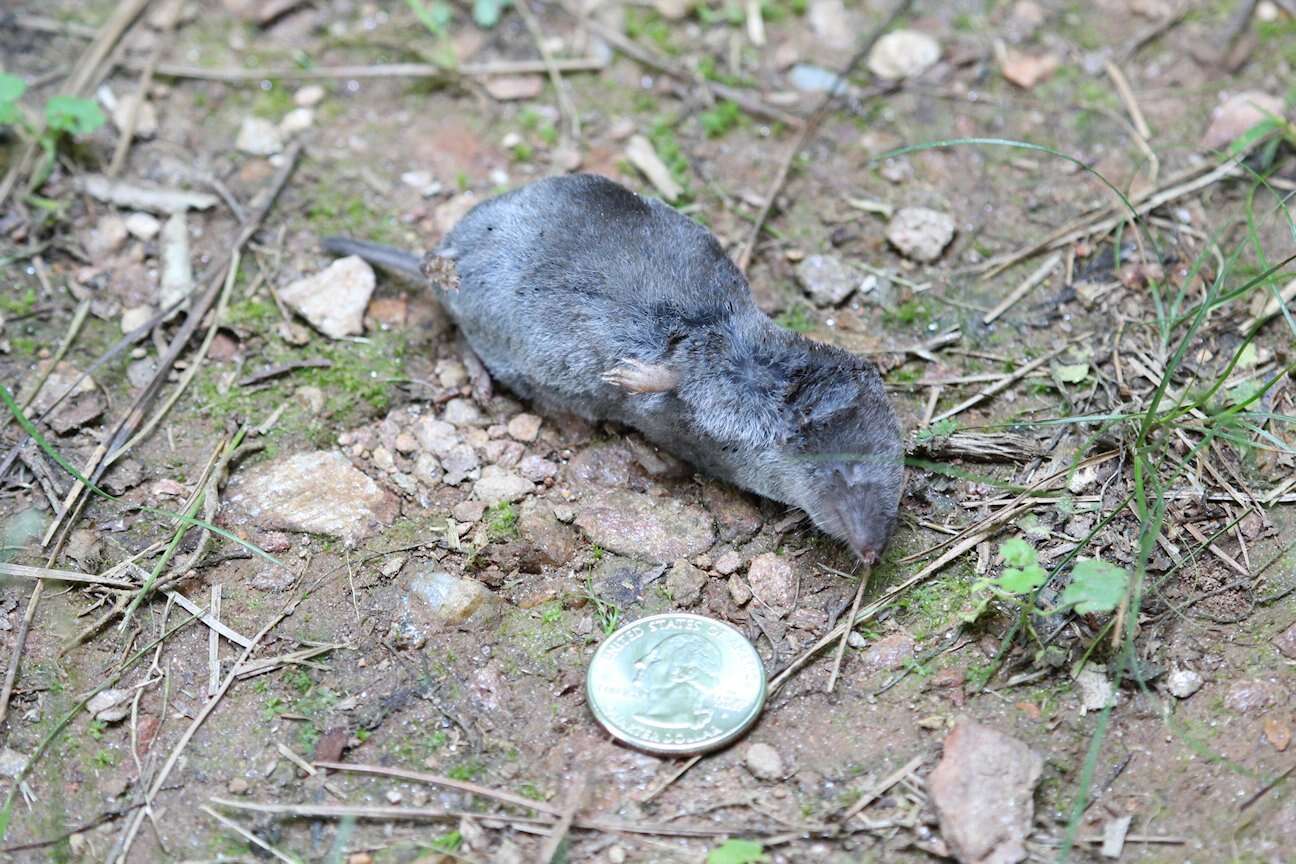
x=1026, y=70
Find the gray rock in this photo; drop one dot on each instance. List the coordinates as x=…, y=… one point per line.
x=460, y=464
x=257, y=136
x=1253, y=696
x=773, y=583
x=813, y=79
x=503, y=452
x=737, y=517
x=826, y=279
x=143, y=226
x=983, y=792
x=308, y=96
x=539, y=526
x=728, y=562
x=435, y=436
x=110, y=705
x=318, y=492
x=536, y=468
x=903, y=54
x=889, y=652
x=499, y=484
x=920, y=233
x=436, y=596
x=106, y=237
x=334, y=300
x=463, y=412
x=524, y=427
x=469, y=511
x=764, y=762
x=1183, y=683
x=830, y=22
x=427, y=470
x=685, y=583
x=1285, y=642
x=738, y=590
x=650, y=529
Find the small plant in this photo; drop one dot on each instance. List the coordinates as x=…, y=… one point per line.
x=1096, y=587
x=65, y=116
x=501, y=521
x=719, y=120
x=448, y=842
x=797, y=319
x=936, y=431
x=737, y=852
x=105, y=758
x=607, y=615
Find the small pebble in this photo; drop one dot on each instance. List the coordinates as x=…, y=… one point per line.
x=524, y=427
x=309, y=96
x=237, y=786
x=764, y=762
x=143, y=226
x=393, y=796
x=1183, y=683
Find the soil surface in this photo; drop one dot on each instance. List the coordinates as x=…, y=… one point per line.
x=413, y=575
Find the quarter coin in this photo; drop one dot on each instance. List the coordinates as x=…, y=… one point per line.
x=676, y=683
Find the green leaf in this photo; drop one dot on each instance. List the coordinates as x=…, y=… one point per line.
x=737, y=852
x=1017, y=552
x=1096, y=586
x=1248, y=356
x=11, y=90
x=1071, y=373
x=1252, y=135
x=72, y=115
x=487, y=12
x=1023, y=580
x=436, y=17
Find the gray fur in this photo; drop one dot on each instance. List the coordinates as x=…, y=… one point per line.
x=562, y=280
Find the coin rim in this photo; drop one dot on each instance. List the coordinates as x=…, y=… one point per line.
x=704, y=746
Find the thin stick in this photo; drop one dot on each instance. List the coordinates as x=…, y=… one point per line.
x=438, y=780
x=1024, y=288
x=665, y=784
x=213, y=644
x=841, y=646
x=1002, y=385
x=880, y=789
x=174, y=757
x=127, y=133
x=378, y=70
x=246, y=834
x=24, y=571
x=575, y=800
x=809, y=129
x=565, y=105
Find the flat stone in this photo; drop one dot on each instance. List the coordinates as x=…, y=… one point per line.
x=737, y=517
x=135, y=316
x=143, y=226
x=773, y=583
x=539, y=526
x=1252, y=696
x=460, y=464
x=889, y=652
x=764, y=762
x=464, y=412
x=308, y=96
x=499, y=484
x=107, y=236
x=983, y=793
x=826, y=280
x=1183, y=683
x=738, y=590
x=469, y=511
x=650, y=529
x=685, y=583
x=903, y=54
x=436, y=596
x=1285, y=642
x=728, y=562
x=508, y=88
x=1232, y=118
x=435, y=436
x=334, y=299
x=258, y=136
x=537, y=469
x=524, y=427
x=318, y=492
x=85, y=403
x=297, y=120
x=920, y=233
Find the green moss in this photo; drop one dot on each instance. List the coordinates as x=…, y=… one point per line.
x=469, y=769
x=717, y=121
x=796, y=318
x=501, y=521
x=666, y=142
x=908, y=314
x=18, y=304
x=647, y=24
x=334, y=210
x=273, y=100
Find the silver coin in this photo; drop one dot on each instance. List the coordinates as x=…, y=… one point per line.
x=676, y=683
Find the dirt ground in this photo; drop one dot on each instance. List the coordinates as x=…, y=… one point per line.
x=444, y=565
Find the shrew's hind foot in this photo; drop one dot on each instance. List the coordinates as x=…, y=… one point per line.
x=636, y=376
